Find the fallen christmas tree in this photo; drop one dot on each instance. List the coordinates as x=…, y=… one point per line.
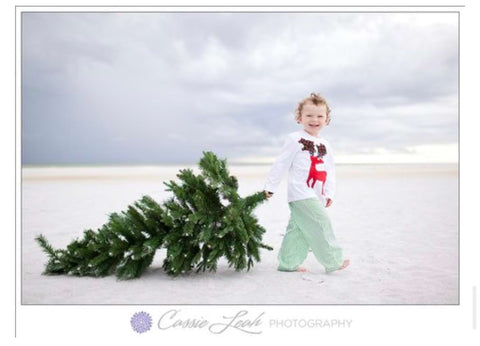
x=205, y=220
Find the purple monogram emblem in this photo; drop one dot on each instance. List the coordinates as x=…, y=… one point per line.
x=141, y=322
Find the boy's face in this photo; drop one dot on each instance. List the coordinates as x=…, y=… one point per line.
x=313, y=118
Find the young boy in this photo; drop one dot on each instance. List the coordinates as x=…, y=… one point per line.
x=311, y=187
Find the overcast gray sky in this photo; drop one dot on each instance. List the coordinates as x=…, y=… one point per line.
x=143, y=88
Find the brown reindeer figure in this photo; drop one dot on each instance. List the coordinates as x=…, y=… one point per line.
x=314, y=175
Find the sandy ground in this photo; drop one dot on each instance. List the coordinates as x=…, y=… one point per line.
x=398, y=224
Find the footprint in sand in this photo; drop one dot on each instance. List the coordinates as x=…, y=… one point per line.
x=310, y=277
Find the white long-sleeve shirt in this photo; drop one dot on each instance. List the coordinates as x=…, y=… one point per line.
x=309, y=162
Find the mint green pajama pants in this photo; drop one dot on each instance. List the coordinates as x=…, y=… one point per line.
x=309, y=227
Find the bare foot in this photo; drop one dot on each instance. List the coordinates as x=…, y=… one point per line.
x=344, y=265
x=301, y=269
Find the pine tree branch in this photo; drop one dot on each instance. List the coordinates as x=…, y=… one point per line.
x=205, y=220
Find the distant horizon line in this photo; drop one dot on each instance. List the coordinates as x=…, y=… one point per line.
x=33, y=165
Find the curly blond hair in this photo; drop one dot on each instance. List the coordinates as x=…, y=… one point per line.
x=316, y=99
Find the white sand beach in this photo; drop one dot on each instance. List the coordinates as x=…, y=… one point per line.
x=398, y=224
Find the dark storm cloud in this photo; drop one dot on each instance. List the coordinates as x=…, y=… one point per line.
x=162, y=87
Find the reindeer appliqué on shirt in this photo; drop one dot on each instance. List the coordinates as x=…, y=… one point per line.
x=317, y=152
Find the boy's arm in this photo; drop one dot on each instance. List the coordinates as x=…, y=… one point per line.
x=281, y=165
x=330, y=184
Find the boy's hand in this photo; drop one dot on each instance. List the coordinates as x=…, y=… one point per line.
x=268, y=194
x=329, y=203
